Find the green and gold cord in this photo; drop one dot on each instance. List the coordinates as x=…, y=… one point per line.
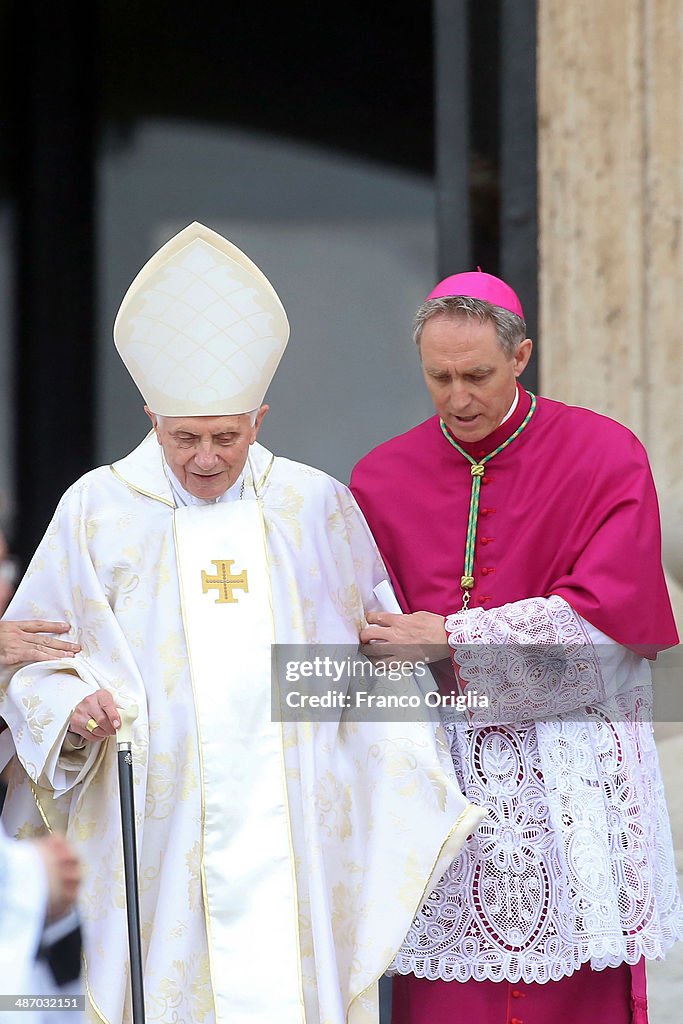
x=477, y=470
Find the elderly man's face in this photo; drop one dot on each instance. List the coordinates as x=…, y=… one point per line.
x=470, y=378
x=206, y=453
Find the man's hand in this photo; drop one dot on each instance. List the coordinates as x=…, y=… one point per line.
x=98, y=707
x=22, y=642
x=63, y=874
x=420, y=636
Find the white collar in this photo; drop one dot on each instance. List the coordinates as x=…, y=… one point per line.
x=183, y=497
x=511, y=409
x=144, y=470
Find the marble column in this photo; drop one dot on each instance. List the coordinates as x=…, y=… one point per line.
x=610, y=95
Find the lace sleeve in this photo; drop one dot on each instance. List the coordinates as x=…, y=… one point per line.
x=531, y=659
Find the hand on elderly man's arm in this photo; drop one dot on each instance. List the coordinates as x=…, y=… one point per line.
x=420, y=636
x=29, y=641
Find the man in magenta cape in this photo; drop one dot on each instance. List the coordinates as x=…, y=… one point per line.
x=514, y=526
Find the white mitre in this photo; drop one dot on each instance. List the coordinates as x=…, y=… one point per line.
x=201, y=329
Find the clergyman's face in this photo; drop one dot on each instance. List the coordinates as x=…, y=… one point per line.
x=470, y=378
x=206, y=453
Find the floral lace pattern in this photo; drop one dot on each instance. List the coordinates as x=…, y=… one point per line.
x=531, y=659
x=575, y=861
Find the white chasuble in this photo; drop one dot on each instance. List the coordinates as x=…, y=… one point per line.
x=280, y=865
x=247, y=860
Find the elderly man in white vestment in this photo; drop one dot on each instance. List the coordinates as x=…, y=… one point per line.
x=280, y=863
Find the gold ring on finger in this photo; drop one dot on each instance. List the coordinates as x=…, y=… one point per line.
x=91, y=725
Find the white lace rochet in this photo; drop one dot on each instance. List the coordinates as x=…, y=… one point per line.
x=575, y=861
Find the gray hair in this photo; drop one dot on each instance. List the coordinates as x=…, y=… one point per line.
x=252, y=414
x=510, y=328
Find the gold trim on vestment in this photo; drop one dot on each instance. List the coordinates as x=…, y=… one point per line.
x=266, y=473
x=46, y=820
x=134, y=487
x=467, y=813
x=207, y=919
x=34, y=786
x=292, y=855
x=88, y=990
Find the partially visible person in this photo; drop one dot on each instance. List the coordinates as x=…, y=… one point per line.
x=34, y=640
x=39, y=881
x=40, y=939
x=527, y=532
x=7, y=574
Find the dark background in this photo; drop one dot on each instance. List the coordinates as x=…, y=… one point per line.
x=445, y=89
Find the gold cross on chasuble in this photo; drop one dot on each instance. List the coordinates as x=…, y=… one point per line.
x=224, y=581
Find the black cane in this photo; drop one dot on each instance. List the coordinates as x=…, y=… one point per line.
x=124, y=747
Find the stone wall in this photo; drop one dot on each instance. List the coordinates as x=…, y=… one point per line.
x=610, y=94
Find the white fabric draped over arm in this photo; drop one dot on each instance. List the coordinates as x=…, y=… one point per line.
x=39, y=702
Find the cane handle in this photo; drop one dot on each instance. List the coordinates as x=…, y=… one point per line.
x=124, y=733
